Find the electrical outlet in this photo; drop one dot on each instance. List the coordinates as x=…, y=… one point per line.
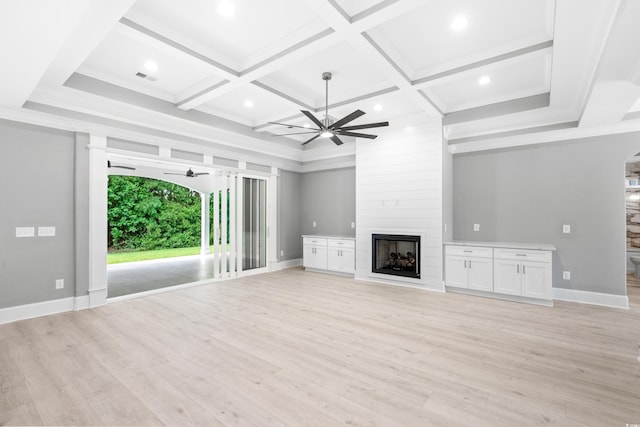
x=353, y=225
x=566, y=275
x=566, y=228
x=314, y=224
x=59, y=283
x=281, y=253
x=476, y=227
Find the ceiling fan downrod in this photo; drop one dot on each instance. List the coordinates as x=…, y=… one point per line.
x=326, y=76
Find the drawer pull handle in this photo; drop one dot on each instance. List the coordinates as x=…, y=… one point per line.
x=468, y=252
x=521, y=254
x=523, y=270
x=518, y=268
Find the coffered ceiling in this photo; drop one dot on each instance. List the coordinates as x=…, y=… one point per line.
x=215, y=73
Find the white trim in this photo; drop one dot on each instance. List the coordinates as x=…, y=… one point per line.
x=496, y=295
x=281, y=265
x=44, y=308
x=587, y=297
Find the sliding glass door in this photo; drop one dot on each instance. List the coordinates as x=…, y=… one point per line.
x=254, y=223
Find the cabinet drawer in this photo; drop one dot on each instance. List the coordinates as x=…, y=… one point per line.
x=476, y=251
x=341, y=243
x=522, y=255
x=314, y=241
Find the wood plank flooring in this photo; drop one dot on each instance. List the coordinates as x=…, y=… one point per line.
x=295, y=348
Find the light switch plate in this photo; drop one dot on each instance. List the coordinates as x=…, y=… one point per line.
x=566, y=228
x=46, y=231
x=566, y=275
x=476, y=227
x=25, y=231
x=59, y=283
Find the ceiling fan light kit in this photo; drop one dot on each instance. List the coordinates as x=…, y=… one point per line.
x=332, y=130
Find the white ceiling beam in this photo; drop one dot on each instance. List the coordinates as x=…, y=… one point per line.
x=340, y=29
x=32, y=33
x=99, y=19
x=354, y=33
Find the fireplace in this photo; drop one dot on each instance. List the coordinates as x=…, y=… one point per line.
x=395, y=254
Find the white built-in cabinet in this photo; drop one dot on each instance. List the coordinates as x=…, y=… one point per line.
x=341, y=255
x=314, y=253
x=330, y=253
x=469, y=267
x=524, y=273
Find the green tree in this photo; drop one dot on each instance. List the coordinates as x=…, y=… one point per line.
x=147, y=214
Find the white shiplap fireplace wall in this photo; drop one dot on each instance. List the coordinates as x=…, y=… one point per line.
x=399, y=183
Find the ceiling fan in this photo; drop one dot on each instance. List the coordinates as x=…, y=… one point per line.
x=189, y=174
x=109, y=165
x=332, y=130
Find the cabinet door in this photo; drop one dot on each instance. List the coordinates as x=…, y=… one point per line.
x=348, y=260
x=536, y=280
x=321, y=257
x=480, y=274
x=334, y=260
x=507, y=277
x=456, y=271
x=308, y=256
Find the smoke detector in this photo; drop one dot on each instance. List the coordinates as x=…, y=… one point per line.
x=145, y=76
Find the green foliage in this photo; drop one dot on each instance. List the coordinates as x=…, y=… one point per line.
x=148, y=214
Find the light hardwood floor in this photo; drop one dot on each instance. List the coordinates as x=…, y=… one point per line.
x=305, y=349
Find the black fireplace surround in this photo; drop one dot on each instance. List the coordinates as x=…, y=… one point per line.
x=395, y=254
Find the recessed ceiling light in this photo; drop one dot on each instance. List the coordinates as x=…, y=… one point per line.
x=227, y=8
x=458, y=23
x=151, y=66
x=484, y=80
x=377, y=107
x=248, y=103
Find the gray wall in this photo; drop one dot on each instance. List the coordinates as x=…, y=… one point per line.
x=37, y=177
x=526, y=195
x=289, y=240
x=329, y=199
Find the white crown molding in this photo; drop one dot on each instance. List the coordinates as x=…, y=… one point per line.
x=544, y=137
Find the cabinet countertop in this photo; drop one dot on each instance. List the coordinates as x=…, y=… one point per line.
x=329, y=236
x=504, y=245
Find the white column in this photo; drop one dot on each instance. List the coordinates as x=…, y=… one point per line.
x=204, y=223
x=98, y=182
x=233, y=187
x=223, y=226
x=272, y=220
x=216, y=229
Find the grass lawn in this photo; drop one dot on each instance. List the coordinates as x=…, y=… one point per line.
x=118, y=257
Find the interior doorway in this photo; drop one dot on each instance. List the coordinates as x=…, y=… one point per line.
x=632, y=210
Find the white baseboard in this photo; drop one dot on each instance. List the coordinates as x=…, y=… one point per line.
x=45, y=308
x=281, y=265
x=587, y=297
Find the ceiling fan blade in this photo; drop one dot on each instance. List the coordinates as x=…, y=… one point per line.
x=346, y=119
x=171, y=173
x=336, y=140
x=296, y=133
x=287, y=125
x=309, y=140
x=201, y=173
x=357, y=135
x=365, y=126
x=124, y=167
x=312, y=118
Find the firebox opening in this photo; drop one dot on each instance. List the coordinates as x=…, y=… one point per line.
x=394, y=254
